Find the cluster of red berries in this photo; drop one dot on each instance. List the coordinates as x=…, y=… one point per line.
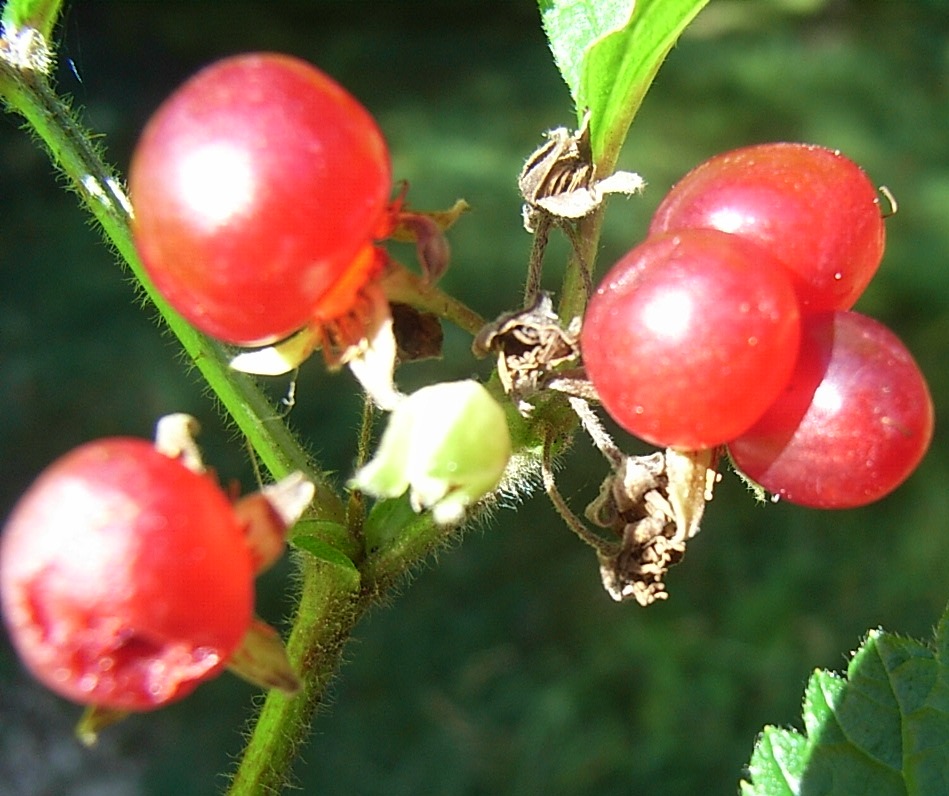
x=731, y=324
x=261, y=188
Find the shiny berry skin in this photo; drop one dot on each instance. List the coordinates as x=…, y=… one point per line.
x=690, y=337
x=854, y=421
x=258, y=187
x=812, y=208
x=125, y=577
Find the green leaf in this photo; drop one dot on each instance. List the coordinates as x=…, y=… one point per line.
x=390, y=522
x=609, y=53
x=572, y=26
x=882, y=731
x=325, y=552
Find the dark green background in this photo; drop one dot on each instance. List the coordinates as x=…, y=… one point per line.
x=505, y=668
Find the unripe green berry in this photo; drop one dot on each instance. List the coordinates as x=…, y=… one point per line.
x=448, y=444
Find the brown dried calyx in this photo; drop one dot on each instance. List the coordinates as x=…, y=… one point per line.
x=418, y=334
x=531, y=345
x=559, y=178
x=654, y=504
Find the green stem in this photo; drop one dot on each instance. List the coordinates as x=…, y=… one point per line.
x=330, y=604
x=356, y=507
x=403, y=286
x=573, y=293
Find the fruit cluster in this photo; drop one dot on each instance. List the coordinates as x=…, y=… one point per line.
x=260, y=190
x=731, y=324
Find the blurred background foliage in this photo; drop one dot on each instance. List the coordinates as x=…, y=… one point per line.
x=505, y=668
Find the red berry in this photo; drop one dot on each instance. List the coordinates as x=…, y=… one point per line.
x=812, y=208
x=690, y=337
x=258, y=188
x=854, y=421
x=124, y=576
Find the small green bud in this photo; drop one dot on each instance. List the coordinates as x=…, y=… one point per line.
x=448, y=444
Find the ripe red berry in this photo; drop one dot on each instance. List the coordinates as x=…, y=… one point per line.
x=854, y=421
x=125, y=577
x=690, y=337
x=812, y=208
x=258, y=188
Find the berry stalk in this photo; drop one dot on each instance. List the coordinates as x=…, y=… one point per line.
x=330, y=604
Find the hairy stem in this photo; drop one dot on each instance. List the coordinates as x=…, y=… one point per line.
x=592, y=425
x=535, y=264
x=330, y=604
x=402, y=285
x=39, y=15
x=356, y=507
x=581, y=267
x=572, y=521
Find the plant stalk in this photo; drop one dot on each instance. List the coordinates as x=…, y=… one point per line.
x=573, y=293
x=330, y=604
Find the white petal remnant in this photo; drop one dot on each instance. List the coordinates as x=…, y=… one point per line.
x=579, y=202
x=25, y=48
x=174, y=437
x=279, y=358
x=447, y=444
x=373, y=363
x=363, y=339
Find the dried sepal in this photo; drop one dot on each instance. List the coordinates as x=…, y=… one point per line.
x=583, y=200
x=405, y=230
x=691, y=477
x=418, y=334
x=262, y=660
x=654, y=504
x=531, y=345
x=268, y=515
x=559, y=178
x=425, y=229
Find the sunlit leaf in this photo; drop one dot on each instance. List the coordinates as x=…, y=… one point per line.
x=325, y=552
x=609, y=53
x=572, y=26
x=882, y=730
